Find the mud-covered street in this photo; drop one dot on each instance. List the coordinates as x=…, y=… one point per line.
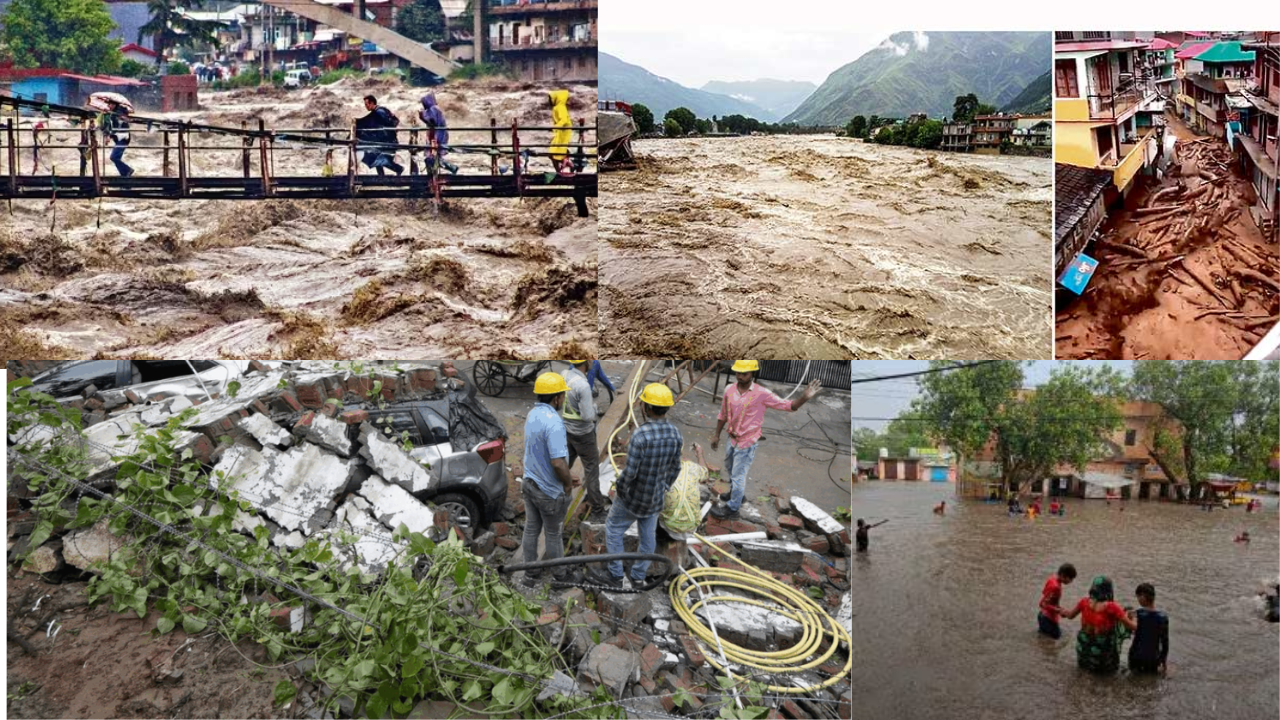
x=816, y=246
x=1183, y=272
x=300, y=279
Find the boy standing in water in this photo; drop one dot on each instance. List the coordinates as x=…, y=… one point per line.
x=1051, y=600
x=862, y=537
x=1150, y=647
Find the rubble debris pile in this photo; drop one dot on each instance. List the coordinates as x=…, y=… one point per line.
x=1186, y=274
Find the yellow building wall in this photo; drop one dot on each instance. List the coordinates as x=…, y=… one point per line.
x=1129, y=167
x=1071, y=109
x=1073, y=144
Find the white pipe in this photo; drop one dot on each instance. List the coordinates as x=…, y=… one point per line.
x=738, y=537
x=202, y=387
x=802, y=377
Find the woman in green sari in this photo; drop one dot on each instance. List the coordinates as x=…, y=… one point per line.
x=1103, y=627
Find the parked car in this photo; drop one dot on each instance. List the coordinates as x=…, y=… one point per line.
x=147, y=378
x=297, y=78
x=463, y=444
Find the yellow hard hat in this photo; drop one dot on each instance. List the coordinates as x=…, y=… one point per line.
x=575, y=362
x=549, y=383
x=657, y=394
x=746, y=366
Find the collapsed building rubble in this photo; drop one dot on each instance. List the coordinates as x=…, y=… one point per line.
x=298, y=444
x=1189, y=254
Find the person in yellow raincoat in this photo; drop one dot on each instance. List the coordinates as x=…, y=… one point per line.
x=563, y=133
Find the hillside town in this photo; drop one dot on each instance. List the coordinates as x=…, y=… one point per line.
x=1166, y=233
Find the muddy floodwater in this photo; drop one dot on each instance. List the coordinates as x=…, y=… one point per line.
x=946, y=613
x=300, y=279
x=817, y=246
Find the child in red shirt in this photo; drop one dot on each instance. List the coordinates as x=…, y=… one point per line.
x=1051, y=600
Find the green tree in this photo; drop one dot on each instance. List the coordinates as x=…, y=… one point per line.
x=702, y=126
x=966, y=106
x=1218, y=416
x=928, y=134
x=960, y=407
x=671, y=128
x=643, y=118
x=885, y=136
x=132, y=68
x=985, y=109
x=423, y=21
x=857, y=127
x=169, y=27
x=684, y=117
x=67, y=34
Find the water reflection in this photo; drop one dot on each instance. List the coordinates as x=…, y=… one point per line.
x=945, y=608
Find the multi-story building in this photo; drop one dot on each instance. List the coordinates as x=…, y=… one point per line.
x=1157, y=63
x=991, y=131
x=957, y=137
x=1123, y=455
x=1034, y=131
x=1099, y=91
x=1257, y=137
x=548, y=41
x=1213, y=80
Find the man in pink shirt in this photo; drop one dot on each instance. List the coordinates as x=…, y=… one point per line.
x=743, y=412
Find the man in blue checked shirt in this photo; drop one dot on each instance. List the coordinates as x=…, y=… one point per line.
x=653, y=463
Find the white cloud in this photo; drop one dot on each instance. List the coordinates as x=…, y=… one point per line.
x=922, y=40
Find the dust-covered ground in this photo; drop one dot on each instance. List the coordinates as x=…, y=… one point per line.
x=1184, y=272
x=825, y=247
x=298, y=279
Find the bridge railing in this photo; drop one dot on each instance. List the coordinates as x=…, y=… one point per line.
x=65, y=142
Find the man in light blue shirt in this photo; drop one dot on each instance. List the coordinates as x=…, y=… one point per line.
x=547, y=481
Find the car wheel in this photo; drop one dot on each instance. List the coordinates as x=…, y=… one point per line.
x=462, y=510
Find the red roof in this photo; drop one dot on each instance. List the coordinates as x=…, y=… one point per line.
x=1098, y=45
x=13, y=74
x=1193, y=50
x=1161, y=44
x=106, y=79
x=135, y=47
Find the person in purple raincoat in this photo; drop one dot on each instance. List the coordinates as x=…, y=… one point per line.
x=433, y=117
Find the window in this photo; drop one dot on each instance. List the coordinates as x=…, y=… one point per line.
x=1130, y=437
x=41, y=97
x=1065, y=82
x=1097, y=35
x=1064, y=35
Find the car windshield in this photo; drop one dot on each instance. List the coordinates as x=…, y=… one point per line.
x=73, y=379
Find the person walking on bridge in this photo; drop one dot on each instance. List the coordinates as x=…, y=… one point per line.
x=377, y=130
x=438, y=141
x=563, y=133
x=742, y=411
x=115, y=125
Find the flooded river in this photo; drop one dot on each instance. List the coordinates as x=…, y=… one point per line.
x=818, y=246
x=946, y=611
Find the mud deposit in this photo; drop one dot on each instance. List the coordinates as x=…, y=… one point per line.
x=103, y=664
x=303, y=279
x=816, y=246
x=1196, y=281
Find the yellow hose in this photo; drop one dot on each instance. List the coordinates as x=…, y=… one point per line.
x=815, y=622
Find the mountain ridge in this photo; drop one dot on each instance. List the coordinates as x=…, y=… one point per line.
x=621, y=80
x=914, y=72
x=779, y=97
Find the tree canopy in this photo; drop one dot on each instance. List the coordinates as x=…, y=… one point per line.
x=857, y=127
x=684, y=118
x=1220, y=417
x=170, y=28
x=643, y=118
x=65, y=34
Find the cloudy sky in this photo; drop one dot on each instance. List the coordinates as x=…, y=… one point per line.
x=874, y=401
x=693, y=41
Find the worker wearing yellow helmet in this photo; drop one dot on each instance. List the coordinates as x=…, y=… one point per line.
x=579, y=413
x=547, y=481
x=653, y=463
x=742, y=411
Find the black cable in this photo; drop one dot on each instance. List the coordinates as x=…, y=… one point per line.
x=930, y=371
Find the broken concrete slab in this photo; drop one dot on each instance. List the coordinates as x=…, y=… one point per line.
x=373, y=548
x=611, y=667
x=266, y=432
x=92, y=547
x=627, y=608
x=288, y=487
x=329, y=434
x=44, y=559
x=559, y=684
x=816, y=516
x=394, y=505
x=736, y=622
x=844, y=615
x=772, y=555
x=389, y=460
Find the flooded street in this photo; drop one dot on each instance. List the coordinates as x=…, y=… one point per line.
x=946, y=613
x=817, y=246
x=1201, y=284
x=312, y=278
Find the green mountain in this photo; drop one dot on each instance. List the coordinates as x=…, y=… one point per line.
x=778, y=97
x=913, y=72
x=1035, y=99
x=623, y=81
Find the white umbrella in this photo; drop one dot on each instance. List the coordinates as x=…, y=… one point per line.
x=99, y=101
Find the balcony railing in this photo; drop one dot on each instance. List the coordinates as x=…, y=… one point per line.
x=512, y=8
x=1207, y=110
x=1126, y=96
x=506, y=44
